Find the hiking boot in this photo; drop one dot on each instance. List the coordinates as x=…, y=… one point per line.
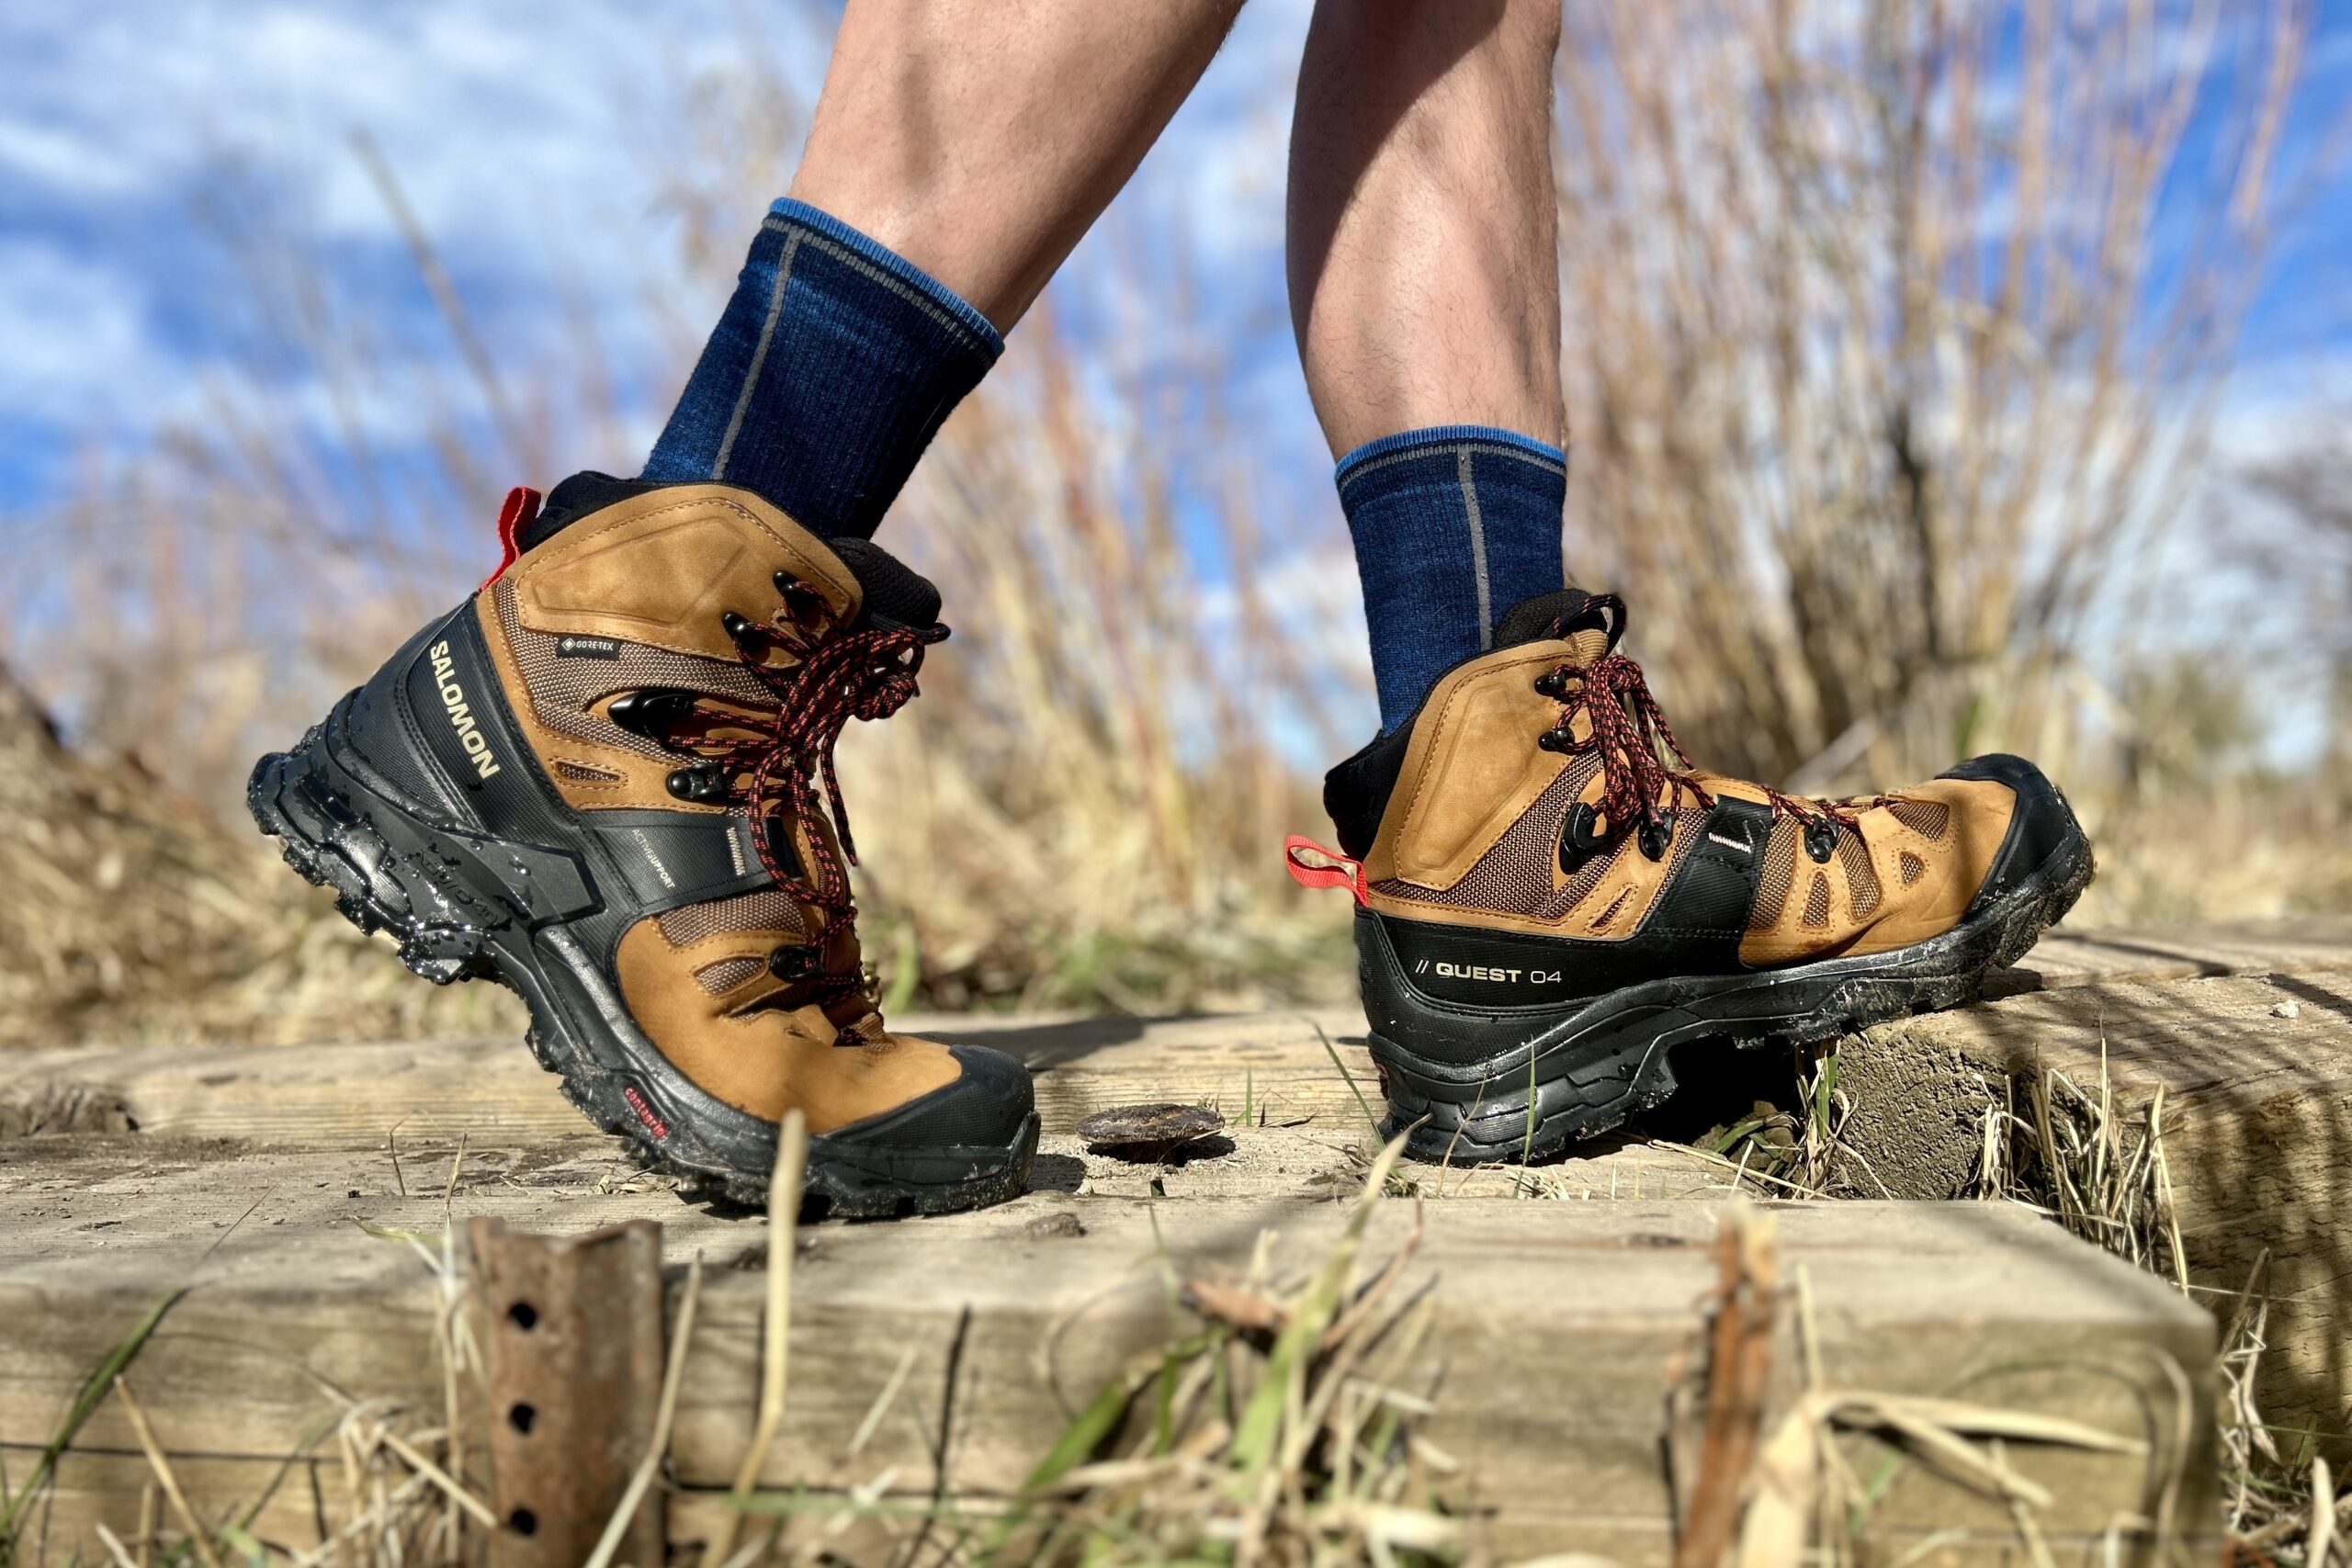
x=597, y=782
x=1547, y=911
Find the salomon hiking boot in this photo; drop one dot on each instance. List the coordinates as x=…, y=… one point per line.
x=597, y=781
x=1546, y=911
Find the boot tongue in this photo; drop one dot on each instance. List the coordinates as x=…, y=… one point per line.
x=1589, y=623
x=892, y=591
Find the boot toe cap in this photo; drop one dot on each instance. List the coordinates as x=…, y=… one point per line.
x=2041, y=824
x=986, y=1105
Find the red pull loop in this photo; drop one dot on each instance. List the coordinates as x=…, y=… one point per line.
x=1312, y=865
x=521, y=505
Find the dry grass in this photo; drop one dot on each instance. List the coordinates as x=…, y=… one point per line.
x=1877, y=317
x=129, y=914
x=1805, y=1487
x=2097, y=1166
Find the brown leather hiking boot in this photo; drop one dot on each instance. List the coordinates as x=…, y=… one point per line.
x=1547, y=911
x=597, y=779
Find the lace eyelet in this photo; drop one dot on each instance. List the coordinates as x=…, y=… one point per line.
x=1553, y=684
x=801, y=598
x=1655, y=836
x=654, y=712
x=1820, y=841
x=1560, y=738
x=735, y=626
x=795, y=961
x=699, y=783
x=1578, y=836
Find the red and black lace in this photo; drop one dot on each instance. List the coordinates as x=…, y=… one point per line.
x=774, y=762
x=1629, y=732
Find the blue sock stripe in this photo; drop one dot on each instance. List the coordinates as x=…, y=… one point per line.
x=889, y=268
x=831, y=369
x=1452, y=526
x=1408, y=443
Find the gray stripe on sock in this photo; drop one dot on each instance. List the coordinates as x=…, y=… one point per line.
x=858, y=264
x=758, y=356
x=1478, y=549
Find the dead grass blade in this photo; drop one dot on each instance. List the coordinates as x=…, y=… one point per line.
x=775, y=1336
x=199, y=1538
x=94, y=1388
x=1739, y=1364
x=657, y=1448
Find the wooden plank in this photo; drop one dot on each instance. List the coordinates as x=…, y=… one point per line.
x=2257, y=1079
x=1557, y=1325
x=353, y=1096
x=493, y=1092
x=2067, y=956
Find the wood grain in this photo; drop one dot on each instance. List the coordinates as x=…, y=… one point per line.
x=2255, y=1074
x=1558, y=1324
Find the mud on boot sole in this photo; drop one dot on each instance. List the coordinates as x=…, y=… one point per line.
x=1612, y=1056
x=464, y=905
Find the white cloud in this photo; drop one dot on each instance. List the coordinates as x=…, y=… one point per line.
x=69, y=332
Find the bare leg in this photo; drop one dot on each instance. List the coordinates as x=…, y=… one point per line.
x=979, y=137
x=1424, y=278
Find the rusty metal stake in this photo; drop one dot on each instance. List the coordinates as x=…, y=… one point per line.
x=569, y=1334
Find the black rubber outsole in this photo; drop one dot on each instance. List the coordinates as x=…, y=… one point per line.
x=334, y=835
x=1612, y=1056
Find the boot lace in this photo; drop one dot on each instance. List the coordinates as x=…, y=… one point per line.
x=867, y=674
x=775, y=761
x=1629, y=732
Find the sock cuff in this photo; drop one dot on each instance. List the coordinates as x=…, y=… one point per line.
x=1480, y=439
x=893, y=269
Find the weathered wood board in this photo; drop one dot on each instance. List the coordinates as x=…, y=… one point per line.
x=2255, y=1074
x=1557, y=1330
x=1278, y=1063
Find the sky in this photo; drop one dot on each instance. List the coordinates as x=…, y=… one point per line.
x=524, y=121
x=525, y=135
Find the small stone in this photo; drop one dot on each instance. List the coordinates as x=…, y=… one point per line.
x=2288, y=1009
x=1063, y=1224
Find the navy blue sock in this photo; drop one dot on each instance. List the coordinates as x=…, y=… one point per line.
x=834, y=365
x=1452, y=526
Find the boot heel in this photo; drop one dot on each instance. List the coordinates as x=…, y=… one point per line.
x=332, y=843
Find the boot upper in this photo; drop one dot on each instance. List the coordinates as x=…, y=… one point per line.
x=652, y=649
x=1489, y=810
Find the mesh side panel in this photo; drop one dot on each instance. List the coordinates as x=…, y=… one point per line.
x=1861, y=877
x=1816, y=903
x=1518, y=874
x=580, y=773
x=1912, y=867
x=727, y=973
x=562, y=688
x=1779, y=873
x=1928, y=819
x=771, y=909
